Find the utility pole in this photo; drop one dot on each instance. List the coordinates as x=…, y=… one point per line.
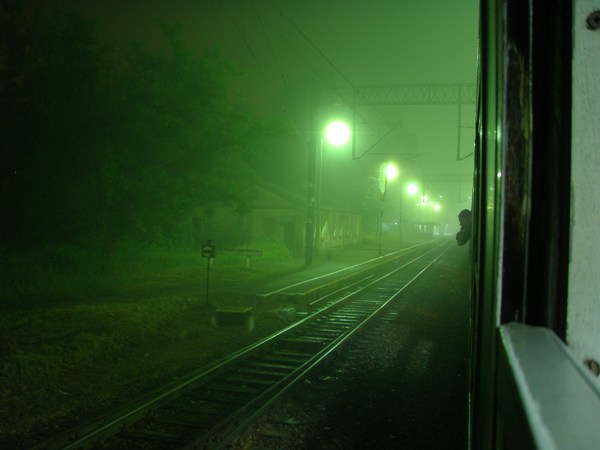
x=312, y=168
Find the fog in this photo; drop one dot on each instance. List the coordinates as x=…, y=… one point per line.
x=135, y=131
x=284, y=52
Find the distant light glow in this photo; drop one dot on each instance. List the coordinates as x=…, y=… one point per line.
x=337, y=133
x=391, y=171
x=412, y=189
x=436, y=207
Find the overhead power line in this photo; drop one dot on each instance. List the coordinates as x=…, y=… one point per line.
x=322, y=54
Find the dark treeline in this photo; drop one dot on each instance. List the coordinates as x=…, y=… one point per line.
x=102, y=143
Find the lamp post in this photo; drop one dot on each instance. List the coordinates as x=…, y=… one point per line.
x=337, y=134
x=387, y=171
x=435, y=217
x=411, y=190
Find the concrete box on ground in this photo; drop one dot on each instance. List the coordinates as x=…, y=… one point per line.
x=234, y=316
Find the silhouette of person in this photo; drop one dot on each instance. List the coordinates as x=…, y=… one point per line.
x=463, y=236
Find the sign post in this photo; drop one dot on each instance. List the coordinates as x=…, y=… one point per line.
x=208, y=252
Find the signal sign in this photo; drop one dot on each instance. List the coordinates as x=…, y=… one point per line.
x=208, y=250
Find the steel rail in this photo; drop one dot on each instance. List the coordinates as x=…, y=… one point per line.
x=364, y=264
x=319, y=358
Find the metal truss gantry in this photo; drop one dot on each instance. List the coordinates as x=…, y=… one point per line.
x=403, y=94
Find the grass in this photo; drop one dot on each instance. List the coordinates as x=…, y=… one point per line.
x=76, y=341
x=65, y=272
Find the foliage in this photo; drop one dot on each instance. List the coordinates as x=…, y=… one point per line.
x=368, y=196
x=60, y=273
x=103, y=143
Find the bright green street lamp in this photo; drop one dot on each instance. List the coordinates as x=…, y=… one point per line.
x=391, y=171
x=337, y=133
x=412, y=189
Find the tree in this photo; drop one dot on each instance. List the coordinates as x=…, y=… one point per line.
x=50, y=83
x=103, y=143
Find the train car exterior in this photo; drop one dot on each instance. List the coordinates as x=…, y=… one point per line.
x=533, y=378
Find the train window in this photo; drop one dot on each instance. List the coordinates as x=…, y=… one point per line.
x=583, y=316
x=536, y=377
x=555, y=392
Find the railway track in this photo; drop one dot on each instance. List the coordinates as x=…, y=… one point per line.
x=216, y=404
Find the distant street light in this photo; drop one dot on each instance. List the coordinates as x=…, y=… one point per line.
x=391, y=171
x=411, y=190
x=387, y=171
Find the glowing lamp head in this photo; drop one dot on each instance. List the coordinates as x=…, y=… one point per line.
x=391, y=171
x=337, y=133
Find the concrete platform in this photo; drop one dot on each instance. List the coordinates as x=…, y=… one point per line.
x=344, y=263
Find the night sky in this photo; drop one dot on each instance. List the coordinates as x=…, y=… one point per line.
x=280, y=49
